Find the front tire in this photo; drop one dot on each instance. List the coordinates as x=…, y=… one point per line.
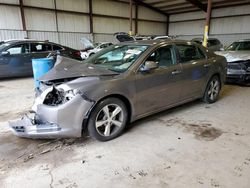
x=213, y=90
x=108, y=119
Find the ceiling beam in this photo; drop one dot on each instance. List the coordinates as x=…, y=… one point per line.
x=180, y=9
x=140, y=2
x=198, y=4
x=173, y=5
x=162, y=1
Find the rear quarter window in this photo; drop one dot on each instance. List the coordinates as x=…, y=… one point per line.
x=56, y=47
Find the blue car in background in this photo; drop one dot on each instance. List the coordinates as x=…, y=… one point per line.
x=16, y=55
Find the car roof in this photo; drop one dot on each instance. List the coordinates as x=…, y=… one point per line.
x=13, y=41
x=100, y=43
x=244, y=40
x=161, y=37
x=202, y=39
x=154, y=42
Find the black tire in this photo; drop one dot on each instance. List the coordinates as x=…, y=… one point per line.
x=212, y=91
x=98, y=130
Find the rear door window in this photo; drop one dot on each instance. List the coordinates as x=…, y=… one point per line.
x=189, y=52
x=244, y=46
x=213, y=42
x=40, y=47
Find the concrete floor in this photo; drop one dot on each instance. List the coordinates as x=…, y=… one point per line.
x=195, y=145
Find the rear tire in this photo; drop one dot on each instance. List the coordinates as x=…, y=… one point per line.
x=212, y=91
x=108, y=119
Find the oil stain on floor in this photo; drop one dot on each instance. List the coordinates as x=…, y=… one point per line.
x=202, y=131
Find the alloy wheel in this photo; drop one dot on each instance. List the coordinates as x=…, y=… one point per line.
x=214, y=89
x=109, y=120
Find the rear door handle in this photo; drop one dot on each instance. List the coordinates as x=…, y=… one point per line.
x=207, y=65
x=176, y=72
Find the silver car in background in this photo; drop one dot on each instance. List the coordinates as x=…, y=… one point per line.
x=212, y=43
x=238, y=58
x=121, y=84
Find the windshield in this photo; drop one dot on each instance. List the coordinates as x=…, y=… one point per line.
x=117, y=58
x=97, y=44
x=3, y=45
x=238, y=46
x=198, y=41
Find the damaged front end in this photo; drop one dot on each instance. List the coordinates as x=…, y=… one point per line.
x=58, y=112
x=238, y=71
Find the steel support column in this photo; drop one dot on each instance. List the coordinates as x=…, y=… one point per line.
x=167, y=26
x=208, y=18
x=57, y=28
x=91, y=29
x=131, y=17
x=22, y=15
x=136, y=18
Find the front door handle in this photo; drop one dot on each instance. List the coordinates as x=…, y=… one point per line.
x=176, y=72
x=207, y=65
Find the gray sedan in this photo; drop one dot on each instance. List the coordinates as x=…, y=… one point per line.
x=119, y=85
x=16, y=55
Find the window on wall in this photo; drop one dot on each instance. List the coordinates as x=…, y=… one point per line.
x=189, y=52
x=19, y=49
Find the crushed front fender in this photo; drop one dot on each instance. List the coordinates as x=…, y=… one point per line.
x=62, y=121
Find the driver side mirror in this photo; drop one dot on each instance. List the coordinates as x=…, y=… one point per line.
x=5, y=53
x=148, y=66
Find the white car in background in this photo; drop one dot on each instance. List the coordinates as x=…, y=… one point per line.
x=90, y=48
x=86, y=53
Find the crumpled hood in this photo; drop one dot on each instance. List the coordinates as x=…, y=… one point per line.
x=69, y=68
x=232, y=56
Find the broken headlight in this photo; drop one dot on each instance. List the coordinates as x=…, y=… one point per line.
x=54, y=98
x=58, y=96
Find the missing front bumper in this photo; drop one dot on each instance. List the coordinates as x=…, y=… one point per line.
x=27, y=127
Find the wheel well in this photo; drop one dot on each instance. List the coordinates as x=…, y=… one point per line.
x=118, y=96
x=218, y=75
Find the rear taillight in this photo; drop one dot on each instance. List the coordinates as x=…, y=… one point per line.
x=77, y=53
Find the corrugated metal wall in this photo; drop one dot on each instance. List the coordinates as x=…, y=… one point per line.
x=68, y=27
x=10, y=18
x=227, y=24
x=152, y=28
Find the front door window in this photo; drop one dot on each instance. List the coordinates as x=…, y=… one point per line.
x=19, y=49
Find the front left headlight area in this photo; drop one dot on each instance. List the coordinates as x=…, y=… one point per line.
x=58, y=96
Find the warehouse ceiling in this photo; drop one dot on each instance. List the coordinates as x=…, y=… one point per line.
x=180, y=6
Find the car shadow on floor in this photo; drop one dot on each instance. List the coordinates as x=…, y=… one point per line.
x=14, y=78
x=227, y=90
x=242, y=84
x=164, y=113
